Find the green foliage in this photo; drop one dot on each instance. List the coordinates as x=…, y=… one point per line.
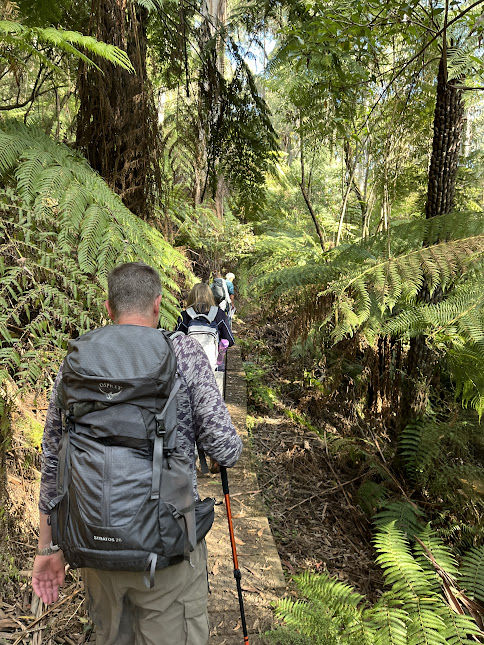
x=63, y=229
x=31, y=39
x=444, y=461
x=405, y=515
x=413, y=610
x=472, y=573
x=198, y=228
x=259, y=393
x=360, y=288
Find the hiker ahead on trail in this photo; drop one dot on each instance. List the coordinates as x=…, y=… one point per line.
x=229, y=281
x=206, y=322
x=118, y=494
x=221, y=296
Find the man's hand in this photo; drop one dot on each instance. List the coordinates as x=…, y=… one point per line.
x=48, y=575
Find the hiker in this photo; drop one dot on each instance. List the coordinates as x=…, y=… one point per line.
x=229, y=281
x=206, y=322
x=221, y=295
x=199, y=301
x=125, y=606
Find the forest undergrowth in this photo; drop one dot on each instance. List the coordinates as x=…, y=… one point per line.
x=310, y=494
x=325, y=471
x=331, y=474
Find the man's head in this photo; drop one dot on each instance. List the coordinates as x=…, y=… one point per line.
x=134, y=293
x=230, y=277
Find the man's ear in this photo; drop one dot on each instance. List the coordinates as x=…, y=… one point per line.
x=156, y=312
x=110, y=311
x=156, y=306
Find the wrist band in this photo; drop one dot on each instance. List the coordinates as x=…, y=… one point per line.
x=49, y=550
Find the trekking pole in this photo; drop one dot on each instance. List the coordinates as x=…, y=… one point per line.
x=237, y=574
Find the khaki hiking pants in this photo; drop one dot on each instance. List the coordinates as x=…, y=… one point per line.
x=173, y=612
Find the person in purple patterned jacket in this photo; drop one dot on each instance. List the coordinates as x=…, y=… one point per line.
x=123, y=609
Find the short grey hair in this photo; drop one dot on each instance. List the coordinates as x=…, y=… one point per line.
x=133, y=288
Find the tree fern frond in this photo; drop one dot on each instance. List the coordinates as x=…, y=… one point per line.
x=68, y=41
x=63, y=230
x=472, y=573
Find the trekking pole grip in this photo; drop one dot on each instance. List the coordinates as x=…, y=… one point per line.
x=225, y=480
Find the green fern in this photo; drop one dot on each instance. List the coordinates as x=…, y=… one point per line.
x=472, y=573
x=406, y=516
x=28, y=38
x=442, y=460
x=63, y=230
x=413, y=611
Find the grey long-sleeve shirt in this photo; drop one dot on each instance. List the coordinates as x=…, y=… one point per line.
x=202, y=419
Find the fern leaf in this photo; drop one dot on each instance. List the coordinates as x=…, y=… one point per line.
x=472, y=573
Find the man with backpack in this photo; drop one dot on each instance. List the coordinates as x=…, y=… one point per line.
x=118, y=491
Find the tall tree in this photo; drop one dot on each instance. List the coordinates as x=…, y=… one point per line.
x=117, y=120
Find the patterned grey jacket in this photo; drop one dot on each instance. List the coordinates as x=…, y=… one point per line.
x=202, y=417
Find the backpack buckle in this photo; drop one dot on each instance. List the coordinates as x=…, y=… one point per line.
x=160, y=428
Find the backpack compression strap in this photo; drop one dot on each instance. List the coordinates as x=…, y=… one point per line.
x=158, y=447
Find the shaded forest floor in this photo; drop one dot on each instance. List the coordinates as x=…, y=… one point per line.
x=309, y=494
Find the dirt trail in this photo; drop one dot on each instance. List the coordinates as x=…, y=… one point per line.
x=259, y=563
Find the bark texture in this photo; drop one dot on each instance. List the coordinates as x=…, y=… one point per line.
x=448, y=123
x=117, y=120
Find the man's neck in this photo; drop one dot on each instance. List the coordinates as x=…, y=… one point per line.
x=134, y=319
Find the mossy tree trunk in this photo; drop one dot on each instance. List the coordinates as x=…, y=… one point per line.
x=117, y=119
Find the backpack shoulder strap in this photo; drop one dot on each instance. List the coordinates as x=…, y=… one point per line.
x=226, y=291
x=212, y=314
x=194, y=316
x=173, y=334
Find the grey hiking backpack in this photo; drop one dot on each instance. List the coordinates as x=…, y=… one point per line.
x=204, y=328
x=221, y=294
x=125, y=492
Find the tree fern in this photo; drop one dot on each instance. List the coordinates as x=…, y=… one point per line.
x=360, y=288
x=29, y=39
x=62, y=231
x=413, y=611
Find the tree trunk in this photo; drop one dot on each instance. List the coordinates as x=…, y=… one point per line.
x=117, y=119
x=448, y=121
x=214, y=19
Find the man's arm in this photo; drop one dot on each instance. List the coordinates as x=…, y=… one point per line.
x=214, y=430
x=49, y=570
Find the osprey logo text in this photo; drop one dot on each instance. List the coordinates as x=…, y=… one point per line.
x=110, y=390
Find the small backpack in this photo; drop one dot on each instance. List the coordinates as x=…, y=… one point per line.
x=125, y=491
x=220, y=293
x=204, y=328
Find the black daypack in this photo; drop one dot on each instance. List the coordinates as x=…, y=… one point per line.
x=125, y=491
